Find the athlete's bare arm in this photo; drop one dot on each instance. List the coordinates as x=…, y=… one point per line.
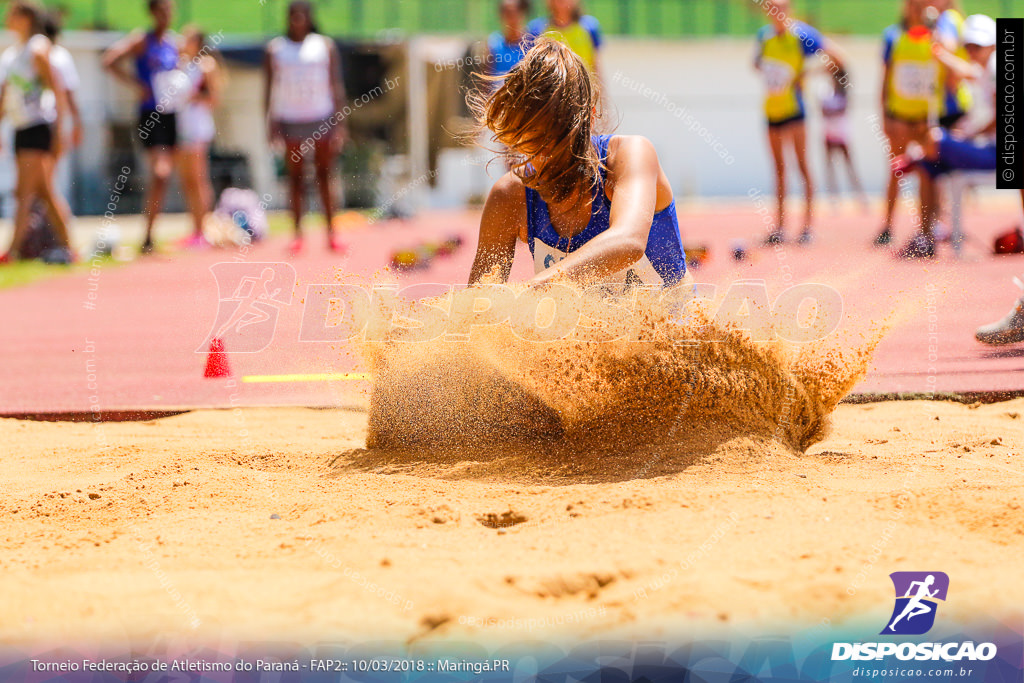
x=633, y=174
x=44, y=67
x=504, y=217
x=835, y=53
x=273, y=128
x=114, y=58
x=886, y=71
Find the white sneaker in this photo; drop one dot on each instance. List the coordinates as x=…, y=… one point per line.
x=1009, y=330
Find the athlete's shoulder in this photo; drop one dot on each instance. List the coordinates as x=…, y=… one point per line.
x=889, y=38
x=505, y=211
x=508, y=189
x=537, y=26
x=764, y=33
x=275, y=45
x=630, y=141
x=626, y=149
x=39, y=44
x=811, y=38
x=135, y=42
x=327, y=42
x=593, y=27
x=802, y=28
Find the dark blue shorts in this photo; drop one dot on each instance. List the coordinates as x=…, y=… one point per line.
x=799, y=118
x=961, y=155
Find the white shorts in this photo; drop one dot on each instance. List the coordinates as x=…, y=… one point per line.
x=195, y=125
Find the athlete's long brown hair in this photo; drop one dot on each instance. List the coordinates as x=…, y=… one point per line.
x=545, y=107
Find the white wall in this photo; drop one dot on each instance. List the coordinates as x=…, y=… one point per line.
x=716, y=84
x=712, y=79
x=711, y=84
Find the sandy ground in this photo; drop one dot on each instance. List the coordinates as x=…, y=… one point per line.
x=277, y=524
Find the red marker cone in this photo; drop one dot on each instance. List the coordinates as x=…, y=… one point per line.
x=217, y=361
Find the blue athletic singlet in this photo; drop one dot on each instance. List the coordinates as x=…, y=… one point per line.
x=663, y=263
x=159, y=56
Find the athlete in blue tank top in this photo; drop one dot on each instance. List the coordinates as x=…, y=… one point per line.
x=505, y=48
x=593, y=209
x=154, y=56
x=159, y=54
x=663, y=261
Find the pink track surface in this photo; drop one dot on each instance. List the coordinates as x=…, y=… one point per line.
x=136, y=349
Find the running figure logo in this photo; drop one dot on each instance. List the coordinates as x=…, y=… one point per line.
x=251, y=298
x=917, y=594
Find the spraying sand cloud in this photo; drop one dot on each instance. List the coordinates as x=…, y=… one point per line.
x=662, y=375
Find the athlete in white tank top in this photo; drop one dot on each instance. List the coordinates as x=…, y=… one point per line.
x=195, y=120
x=25, y=104
x=302, y=79
x=304, y=103
x=27, y=75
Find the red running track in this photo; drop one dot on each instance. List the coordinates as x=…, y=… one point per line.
x=133, y=346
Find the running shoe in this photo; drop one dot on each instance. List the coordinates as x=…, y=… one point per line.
x=295, y=246
x=6, y=258
x=1009, y=330
x=58, y=256
x=194, y=241
x=919, y=246
x=147, y=248
x=774, y=237
x=884, y=237
x=805, y=237
x=335, y=244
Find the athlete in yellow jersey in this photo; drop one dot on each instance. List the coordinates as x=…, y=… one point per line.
x=912, y=90
x=950, y=31
x=783, y=47
x=568, y=25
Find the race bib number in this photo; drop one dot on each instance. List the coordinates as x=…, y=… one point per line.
x=915, y=81
x=545, y=257
x=299, y=86
x=778, y=76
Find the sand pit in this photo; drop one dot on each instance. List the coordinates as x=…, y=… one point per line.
x=279, y=524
